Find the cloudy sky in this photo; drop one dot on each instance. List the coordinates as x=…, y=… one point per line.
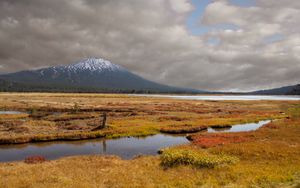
x=229, y=45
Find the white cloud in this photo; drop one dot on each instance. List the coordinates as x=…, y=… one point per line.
x=181, y=6
x=151, y=38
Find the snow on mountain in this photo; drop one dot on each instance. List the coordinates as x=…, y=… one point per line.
x=91, y=64
x=90, y=74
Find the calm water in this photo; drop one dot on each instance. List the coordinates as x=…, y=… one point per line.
x=225, y=97
x=241, y=127
x=126, y=148
x=11, y=112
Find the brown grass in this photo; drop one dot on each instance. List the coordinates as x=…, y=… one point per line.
x=268, y=157
x=55, y=119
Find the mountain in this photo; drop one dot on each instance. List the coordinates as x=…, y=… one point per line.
x=87, y=75
x=287, y=90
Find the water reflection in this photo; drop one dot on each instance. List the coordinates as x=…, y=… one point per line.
x=126, y=148
x=221, y=129
x=241, y=127
x=104, y=146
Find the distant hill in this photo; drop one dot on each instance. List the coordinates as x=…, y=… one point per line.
x=87, y=75
x=287, y=90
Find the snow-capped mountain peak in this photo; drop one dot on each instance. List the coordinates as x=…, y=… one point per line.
x=93, y=64
x=87, y=75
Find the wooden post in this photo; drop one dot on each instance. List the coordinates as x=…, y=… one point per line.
x=103, y=120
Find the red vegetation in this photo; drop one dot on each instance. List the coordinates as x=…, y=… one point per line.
x=271, y=126
x=34, y=159
x=212, y=140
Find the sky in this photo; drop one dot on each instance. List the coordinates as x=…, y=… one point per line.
x=216, y=45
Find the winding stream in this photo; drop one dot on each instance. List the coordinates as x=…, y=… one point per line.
x=126, y=148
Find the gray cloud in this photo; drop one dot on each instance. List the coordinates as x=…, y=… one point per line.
x=150, y=38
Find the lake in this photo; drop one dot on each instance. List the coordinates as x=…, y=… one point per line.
x=225, y=97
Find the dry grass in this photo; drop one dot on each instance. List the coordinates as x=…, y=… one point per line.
x=127, y=115
x=197, y=158
x=270, y=159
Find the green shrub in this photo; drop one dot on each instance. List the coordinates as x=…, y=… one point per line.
x=173, y=157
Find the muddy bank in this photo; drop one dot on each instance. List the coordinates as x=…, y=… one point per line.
x=54, y=137
x=182, y=130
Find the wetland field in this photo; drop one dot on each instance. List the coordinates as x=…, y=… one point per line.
x=58, y=140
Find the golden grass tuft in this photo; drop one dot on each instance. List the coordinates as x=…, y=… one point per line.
x=197, y=158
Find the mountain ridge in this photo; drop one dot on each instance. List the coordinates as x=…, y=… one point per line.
x=285, y=90
x=89, y=74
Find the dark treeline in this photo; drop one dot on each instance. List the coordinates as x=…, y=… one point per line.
x=6, y=86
